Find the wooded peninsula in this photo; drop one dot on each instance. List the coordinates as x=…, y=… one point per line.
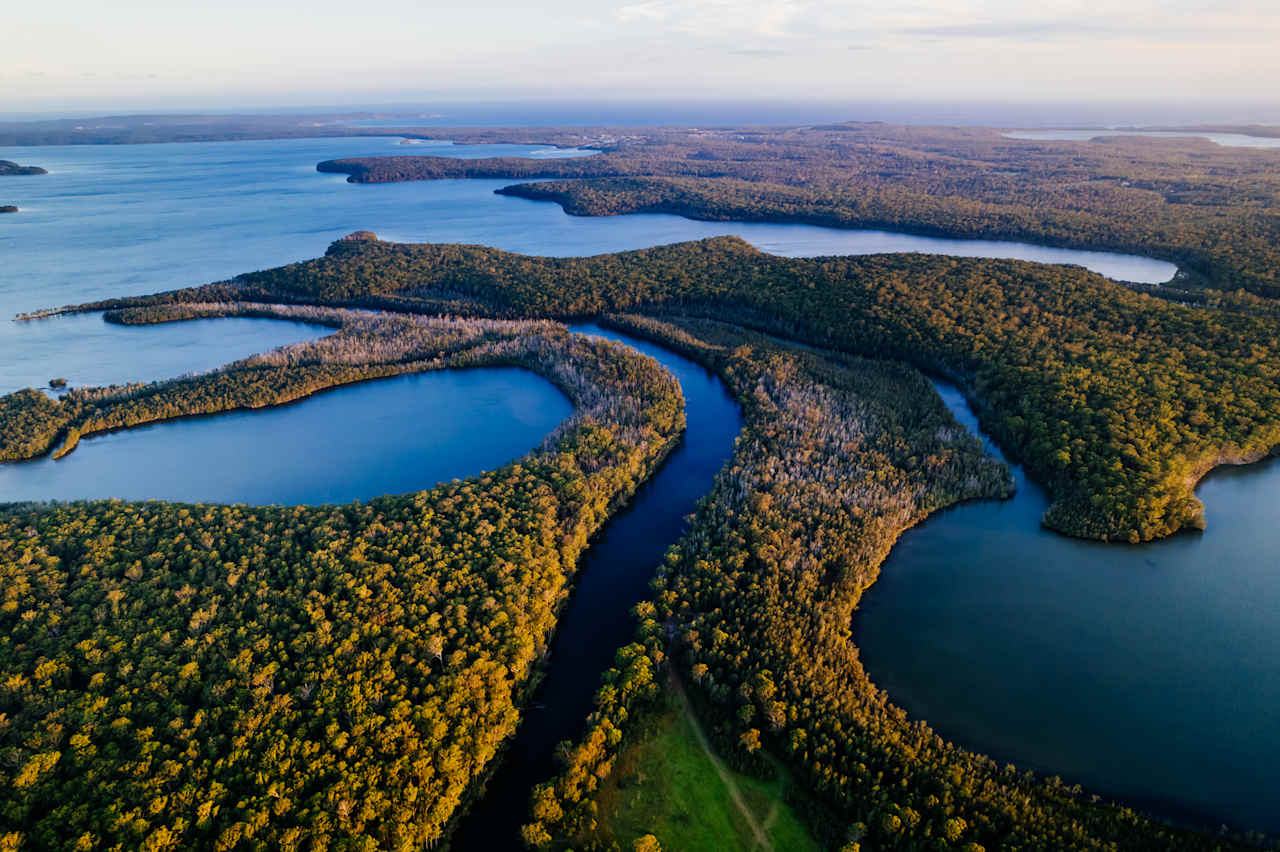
x=1116, y=401
x=1214, y=211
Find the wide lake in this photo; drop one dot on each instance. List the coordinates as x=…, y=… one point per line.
x=1147, y=672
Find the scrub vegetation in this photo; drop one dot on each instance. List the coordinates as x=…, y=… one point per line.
x=367, y=345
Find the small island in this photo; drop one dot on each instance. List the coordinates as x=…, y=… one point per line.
x=8, y=208
x=8, y=167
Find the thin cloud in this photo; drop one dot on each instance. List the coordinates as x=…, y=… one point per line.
x=1023, y=31
x=715, y=19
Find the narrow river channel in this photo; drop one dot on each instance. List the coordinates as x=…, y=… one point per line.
x=613, y=577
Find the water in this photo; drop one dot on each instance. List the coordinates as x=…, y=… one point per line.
x=86, y=351
x=135, y=219
x=1149, y=673
x=389, y=436
x=1230, y=140
x=615, y=575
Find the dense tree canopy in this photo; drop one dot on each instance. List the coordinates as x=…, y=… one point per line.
x=179, y=676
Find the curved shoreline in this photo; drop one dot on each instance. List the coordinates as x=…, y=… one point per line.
x=1012, y=238
x=961, y=726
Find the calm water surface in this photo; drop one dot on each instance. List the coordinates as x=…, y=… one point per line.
x=383, y=437
x=1229, y=140
x=1151, y=672
x=613, y=578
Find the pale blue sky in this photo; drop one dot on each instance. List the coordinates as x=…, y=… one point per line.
x=176, y=53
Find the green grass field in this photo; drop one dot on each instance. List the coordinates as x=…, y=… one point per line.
x=668, y=785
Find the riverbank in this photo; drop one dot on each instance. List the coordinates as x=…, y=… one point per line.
x=757, y=599
x=976, y=603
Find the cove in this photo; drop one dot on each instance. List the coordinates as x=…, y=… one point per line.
x=356, y=442
x=1146, y=673
x=612, y=578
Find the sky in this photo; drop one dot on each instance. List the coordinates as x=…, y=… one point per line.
x=180, y=54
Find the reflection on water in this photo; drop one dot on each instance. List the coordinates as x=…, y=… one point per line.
x=1150, y=672
x=1229, y=140
x=384, y=437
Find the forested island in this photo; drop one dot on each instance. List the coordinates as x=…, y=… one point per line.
x=8, y=208
x=8, y=167
x=1214, y=211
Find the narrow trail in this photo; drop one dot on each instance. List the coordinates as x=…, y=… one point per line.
x=772, y=818
x=735, y=794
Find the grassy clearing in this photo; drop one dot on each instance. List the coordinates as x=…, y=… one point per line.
x=667, y=785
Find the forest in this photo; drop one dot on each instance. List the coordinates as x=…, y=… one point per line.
x=177, y=676
x=1214, y=211
x=752, y=609
x=1115, y=401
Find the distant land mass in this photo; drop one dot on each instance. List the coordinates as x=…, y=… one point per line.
x=150, y=128
x=8, y=208
x=140, y=129
x=8, y=167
